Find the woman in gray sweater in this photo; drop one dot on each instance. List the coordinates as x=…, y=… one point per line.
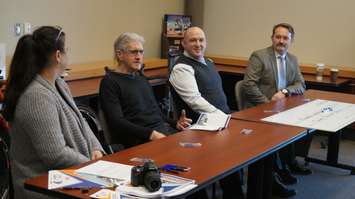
x=46, y=128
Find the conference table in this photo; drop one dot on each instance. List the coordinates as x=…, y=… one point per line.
x=259, y=112
x=220, y=154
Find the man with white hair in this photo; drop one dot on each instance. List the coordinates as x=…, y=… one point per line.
x=128, y=101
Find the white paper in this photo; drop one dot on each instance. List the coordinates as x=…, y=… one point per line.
x=2, y=60
x=140, y=191
x=97, y=179
x=211, y=122
x=318, y=114
x=106, y=194
x=180, y=190
x=181, y=185
x=107, y=169
x=57, y=179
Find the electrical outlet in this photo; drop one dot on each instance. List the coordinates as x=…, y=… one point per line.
x=27, y=28
x=18, y=29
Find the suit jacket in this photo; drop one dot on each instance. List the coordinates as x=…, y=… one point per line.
x=47, y=132
x=260, y=79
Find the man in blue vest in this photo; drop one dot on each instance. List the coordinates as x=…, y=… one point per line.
x=198, y=88
x=195, y=79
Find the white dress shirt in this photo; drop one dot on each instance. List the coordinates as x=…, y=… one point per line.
x=182, y=78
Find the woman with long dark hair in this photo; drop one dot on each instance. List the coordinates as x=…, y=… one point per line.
x=46, y=128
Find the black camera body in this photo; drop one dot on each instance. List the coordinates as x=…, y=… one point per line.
x=147, y=175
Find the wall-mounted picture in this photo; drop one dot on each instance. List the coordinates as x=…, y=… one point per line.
x=176, y=24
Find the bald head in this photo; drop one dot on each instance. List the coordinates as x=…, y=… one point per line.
x=193, y=30
x=194, y=42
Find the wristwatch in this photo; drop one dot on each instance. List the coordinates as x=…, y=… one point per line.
x=285, y=92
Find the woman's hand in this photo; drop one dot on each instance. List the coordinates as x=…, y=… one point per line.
x=96, y=154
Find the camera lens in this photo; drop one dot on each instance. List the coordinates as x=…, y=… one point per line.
x=152, y=181
x=136, y=175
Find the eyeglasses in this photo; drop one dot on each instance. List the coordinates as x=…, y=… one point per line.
x=135, y=52
x=58, y=36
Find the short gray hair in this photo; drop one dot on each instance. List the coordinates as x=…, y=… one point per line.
x=124, y=39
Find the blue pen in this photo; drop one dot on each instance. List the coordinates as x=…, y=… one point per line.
x=169, y=170
x=176, y=167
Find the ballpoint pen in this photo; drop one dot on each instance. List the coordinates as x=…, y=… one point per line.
x=176, y=168
x=170, y=170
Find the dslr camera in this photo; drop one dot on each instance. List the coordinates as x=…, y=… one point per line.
x=147, y=175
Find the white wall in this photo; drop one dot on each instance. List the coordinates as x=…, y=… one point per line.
x=91, y=25
x=325, y=29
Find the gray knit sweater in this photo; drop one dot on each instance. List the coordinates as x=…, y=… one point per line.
x=48, y=132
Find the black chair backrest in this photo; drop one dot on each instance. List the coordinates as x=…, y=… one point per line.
x=4, y=168
x=174, y=111
x=91, y=118
x=239, y=95
x=5, y=173
x=107, y=69
x=106, y=131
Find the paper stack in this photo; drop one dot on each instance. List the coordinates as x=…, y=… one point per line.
x=105, y=174
x=171, y=186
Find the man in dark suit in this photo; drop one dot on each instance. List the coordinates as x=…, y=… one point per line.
x=273, y=74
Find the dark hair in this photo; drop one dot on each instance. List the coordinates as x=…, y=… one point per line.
x=32, y=55
x=284, y=25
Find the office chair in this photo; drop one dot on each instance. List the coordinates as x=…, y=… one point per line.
x=111, y=147
x=6, y=190
x=4, y=169
x=239, y=95
x=152, y=77
x=91, y=118
x=173, y=109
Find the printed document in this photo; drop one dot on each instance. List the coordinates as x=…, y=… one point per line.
x=211, y=122
x=106, y=169
x=319, y=114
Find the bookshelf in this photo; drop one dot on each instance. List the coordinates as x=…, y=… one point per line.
x=171, y=44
